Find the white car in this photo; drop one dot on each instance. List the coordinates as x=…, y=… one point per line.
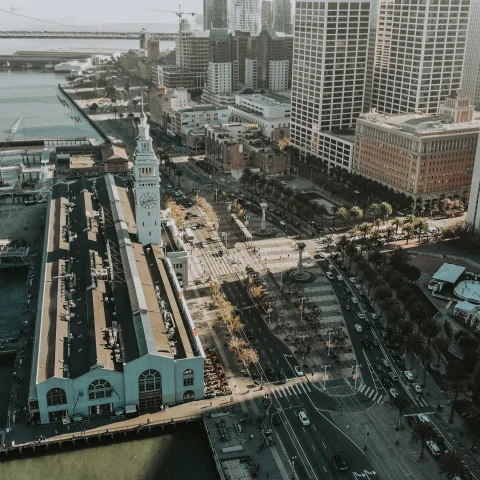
x=283, y=182
x=323, y=255
x=282, y=222
x=353, y=279
x=294, y=187
x=417, y=388
x=409, y=376
x=303, y=418
x=394, y=392
x=340, y=278
x=298, y=371
x=374, y=316
x=354, y=300
x=204, y=245
x=433, y=448
x=423, y=418
x=385, y=362
x=358, y=328
x=360, y=315
x=358, y=286
x=222, y=179
x=393, y=376
x=330, y=276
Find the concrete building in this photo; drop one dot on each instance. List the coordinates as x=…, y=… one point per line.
x=473, y=213
x=234, y=146
x=422, y=156
x=282, y=16
x=271, y=112
x=245, y=16
x=153, y=49
x=73, y=66
x=161, y=100
x=171, y=76
x=129, y=60
x=471, y=66
x=192, y=48
x=113, y=332
x=329, y=70
x=270, y=61
x=419, y=54
x=215, y=14
x=266, y=15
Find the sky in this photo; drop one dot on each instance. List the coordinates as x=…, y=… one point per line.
x=105, y=11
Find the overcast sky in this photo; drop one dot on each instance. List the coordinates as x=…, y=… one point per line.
x=95, y=11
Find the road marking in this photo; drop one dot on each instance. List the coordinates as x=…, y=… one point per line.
x=271, y=350
x=314, y=449
x=304, y=429
x=307, y=387
x=324, y=468
x=303, y=388
x=324, y=445
x=375, y=396
x=314, y=427
x=297, y=387
x=279, y=393
x=363, y=388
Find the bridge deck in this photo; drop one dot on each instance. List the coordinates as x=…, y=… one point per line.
x=88, y=35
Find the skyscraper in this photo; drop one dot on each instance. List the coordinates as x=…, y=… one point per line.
x=329, y=70
x=282, y=16
x=471, y=67
x=215, y=14
x=419, y=54
x=245, y=16
x=266, y=15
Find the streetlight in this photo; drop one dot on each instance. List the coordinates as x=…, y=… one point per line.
x=301, y=308
x=356, y=366
x=329, y=340
x=325, y=376
x=293, y=466
x=367, y=433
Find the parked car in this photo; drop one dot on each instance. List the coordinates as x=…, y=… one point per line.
x=354, y=300
x=361, y=315
x=386, y=362
x=393, y=376
x=433, y=448
x=409, y=376
x=358, y=328
x=365, y=343
x=298, y=371
x=339, y=278
x=417, y=388
x=330, y=276
x=347, y=307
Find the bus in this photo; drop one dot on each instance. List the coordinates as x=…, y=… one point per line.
x=189, y=235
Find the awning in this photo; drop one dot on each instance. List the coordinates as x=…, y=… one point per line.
x=449, y=273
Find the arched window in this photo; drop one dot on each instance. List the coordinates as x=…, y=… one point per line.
x=150, y=381
x=188, y=377
x=188, y=395
x=56, y=396
x=99, y=389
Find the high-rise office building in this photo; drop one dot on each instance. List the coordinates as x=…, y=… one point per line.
x=215, y=14
x=245, y=16
x=471, y=67
x=282, y=16
x=419, y=54
x=192, y=48
x=328, y=82
x=266, y=14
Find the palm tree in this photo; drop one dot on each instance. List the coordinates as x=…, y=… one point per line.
x=382, y=293
x=405, y=294
x=377, y=223
x=389, y=231
x=365, y=228
x=354, y=231
x=385, y=210
x=374, y=210
x=333, y=210
x=416, y=345
x=178, y=173
x=408, y=230
x=397, y=222
x=405, y=328
x=473, y=416
x=410, y=219
x=440, y=345
x=343, y=214
x=424, y=431
x=430, y=329
x=422, y=226
x=342, y=245
x=396, y=280
x=356, y=212
x=418, y=312
x=456, y=376
x=453, y=465
x=401, y=403
x=351, y=252
x=427, y=357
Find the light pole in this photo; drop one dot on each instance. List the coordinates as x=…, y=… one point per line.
x=301, y=308
x=329, y=340
x=293, y=466
x=325, y=376
x=367, y=433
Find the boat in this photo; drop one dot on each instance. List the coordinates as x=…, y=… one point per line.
x=49, y=65
x=6, y=64
x=29, y=65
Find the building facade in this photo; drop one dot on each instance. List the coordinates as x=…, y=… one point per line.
x=171, y=76
x=328, y=82
x=215, y=14
x=245, y=16
x=471, y=66
x=473, y=213
x=420, y=54
x=282, y=16
x=422, y=156
x=266, y=14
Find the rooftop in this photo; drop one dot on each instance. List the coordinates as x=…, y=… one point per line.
x=106, y=298
x=449, y=272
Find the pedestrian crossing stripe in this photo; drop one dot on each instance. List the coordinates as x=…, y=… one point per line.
x=290, y=390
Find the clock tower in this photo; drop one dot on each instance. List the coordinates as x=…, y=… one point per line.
x=147, y=187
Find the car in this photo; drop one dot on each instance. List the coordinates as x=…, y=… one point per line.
x=182, y=207
x=376, y=343
x=298, y=371
x=339, y=463
x=348, y=290
x=204, y=245
x=294, y=187
x=323, y=255
x=409, y=376
x=394, y=392
x=303, y=418
x=433, y=448
x=423, y=418
x=358, y=328
x=347, y=307
x=354, y=300
x=385, y=362
x=210, y=395
x=193, y=227
x=169, y=185
x=331, y=267
x=361, y=315
x=365, y=343
x=250, y=335
x=339, y=278
x=358, y=286
x=393, y=376
x=248, y=203
x=283, y=182
x=417, y=388
x=282, y=222
x=353, y=279
x=374, y=316
x=329, y=276
x=222, y=180
x=378, y=367
x=386, y=382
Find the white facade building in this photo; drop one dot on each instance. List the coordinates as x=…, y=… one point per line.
x=270, y=112
x=473, y=213
x=147, y=188
x=251, y=73
x=471, y=66
x=329, y=71
x=245, y=16
x=419, y=54
x=278, y=75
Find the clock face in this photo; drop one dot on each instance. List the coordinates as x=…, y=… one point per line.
x=148, y=200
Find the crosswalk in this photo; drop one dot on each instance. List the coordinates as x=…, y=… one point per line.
x=285, y=391
x=372, y=393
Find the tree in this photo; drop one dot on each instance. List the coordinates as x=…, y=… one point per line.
x=430, y=329
x=408, y=230
x=94, y=107
x=375, y=210
x=389, y=231
x=382, y=293
x=333, y=210
x=401, y=403
x=416, y=345
x=396, y=281
x=424, y=431
x=418, y=312
x=453, y=465
x=248, y=356
x=342, y=244
x=397, y=222
x=426, y=357
x=178, y=173
x=475, y=381
x=377, y=223
x=473, y=416
x=356, y=212
x=456, y=376
x=422, y=226
x=365, y=228
x=236, y=345
x=385, y=210
x=440, y=344
x=405, y=294
x=343, y=214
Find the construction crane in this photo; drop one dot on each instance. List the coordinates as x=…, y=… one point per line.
x=11, y=133
x=179, y=14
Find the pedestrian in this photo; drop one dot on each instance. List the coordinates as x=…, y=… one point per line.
x=251, y=436
x=211, y=403
x=56, y=432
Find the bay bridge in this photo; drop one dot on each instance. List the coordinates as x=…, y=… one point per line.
x=53, y=35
